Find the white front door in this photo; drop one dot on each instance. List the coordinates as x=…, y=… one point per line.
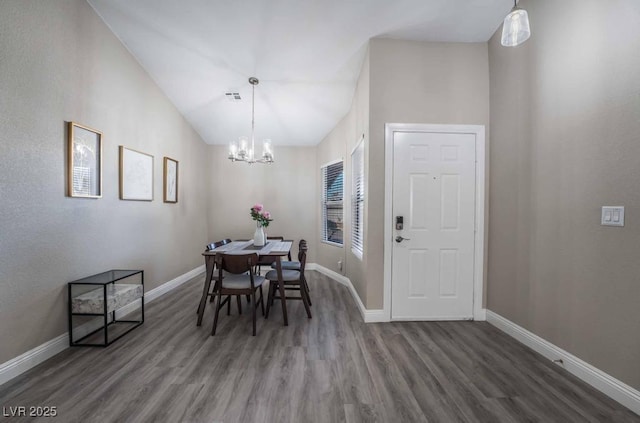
x=434, y=184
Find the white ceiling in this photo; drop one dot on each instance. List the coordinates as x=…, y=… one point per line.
x=306, y=53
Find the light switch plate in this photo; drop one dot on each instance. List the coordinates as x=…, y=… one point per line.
x=612, y=216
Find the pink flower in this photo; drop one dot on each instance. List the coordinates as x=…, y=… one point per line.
x=260, y=215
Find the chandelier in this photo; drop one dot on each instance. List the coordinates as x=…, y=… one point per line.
x=241, y=150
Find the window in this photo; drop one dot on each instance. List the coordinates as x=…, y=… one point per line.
x=357, y=199
x=332, y=177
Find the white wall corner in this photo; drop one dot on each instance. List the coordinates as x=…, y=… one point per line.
x=18, y=365
x=369, y=316
x=480, y=315
x=605, y=383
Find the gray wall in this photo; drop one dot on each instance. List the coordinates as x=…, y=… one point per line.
x=287, y=189
x=400, y=82
x=414, y=82
x=564, y=119
x=59, y=62
x=336, y=145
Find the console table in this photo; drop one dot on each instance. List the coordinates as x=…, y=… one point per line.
x=105, y=307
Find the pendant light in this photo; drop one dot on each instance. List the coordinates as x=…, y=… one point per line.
x=243, y=150
x=515, y=29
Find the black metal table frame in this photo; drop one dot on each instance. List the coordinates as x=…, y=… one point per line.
x=105, y=313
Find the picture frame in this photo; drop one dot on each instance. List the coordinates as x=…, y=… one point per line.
x=170, y=183
x=136, y=175
x=84, y=161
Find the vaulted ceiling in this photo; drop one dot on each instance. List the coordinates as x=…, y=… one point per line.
x=307, y=54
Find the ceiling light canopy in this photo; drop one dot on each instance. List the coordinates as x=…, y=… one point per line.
x=515, y=29
x=241, y=151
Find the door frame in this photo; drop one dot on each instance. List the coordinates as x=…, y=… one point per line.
x=479, y=312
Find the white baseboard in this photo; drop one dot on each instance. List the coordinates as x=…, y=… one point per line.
x=172, y=284
x=610, y=386
x=431, y=319
x=369, y=316
x=32, y=358
x=37, y=355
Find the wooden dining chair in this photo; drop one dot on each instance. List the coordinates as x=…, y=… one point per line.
x=292, y=280
x=208, y=292
x=292, y=265
x=295, y=265
x=238, y=280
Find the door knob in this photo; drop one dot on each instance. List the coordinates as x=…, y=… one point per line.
x=400, y=239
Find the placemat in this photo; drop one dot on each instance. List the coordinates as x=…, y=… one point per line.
x=233, y=245
x=253, y=247
x=281, y=247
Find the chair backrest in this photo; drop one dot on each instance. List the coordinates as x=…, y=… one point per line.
x=302, y=254
x=217, y=244
x=302, y=246
x=302, y=258
x=236, y=263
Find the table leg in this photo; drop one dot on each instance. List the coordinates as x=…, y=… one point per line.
x=282, y=292
x=209, y=261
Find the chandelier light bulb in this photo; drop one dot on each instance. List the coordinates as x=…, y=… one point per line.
x=244, y=147
x=267, y=151
x=233, y=150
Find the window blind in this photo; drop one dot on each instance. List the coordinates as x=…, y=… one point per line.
x=332, y=194
x=357, y=199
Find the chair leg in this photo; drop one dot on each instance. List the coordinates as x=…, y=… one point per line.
x=203, y=301
x=248, y=299
x=261, y=300
x=239, y=301
x=269, y=299
x=283, y=302
x=306, y=285
x=275, y=286
x=215, y=319
x=305, y=299
x=253, y=308
x=228, y=305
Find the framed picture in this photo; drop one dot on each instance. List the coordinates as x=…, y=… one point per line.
x=170, y=185
x=84, y=165
x=136, y=175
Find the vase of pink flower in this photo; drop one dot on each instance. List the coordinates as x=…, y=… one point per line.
x=262, y=218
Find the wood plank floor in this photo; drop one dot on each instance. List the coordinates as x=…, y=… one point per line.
x=332, y=368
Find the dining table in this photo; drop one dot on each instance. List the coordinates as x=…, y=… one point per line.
x=272, y=248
